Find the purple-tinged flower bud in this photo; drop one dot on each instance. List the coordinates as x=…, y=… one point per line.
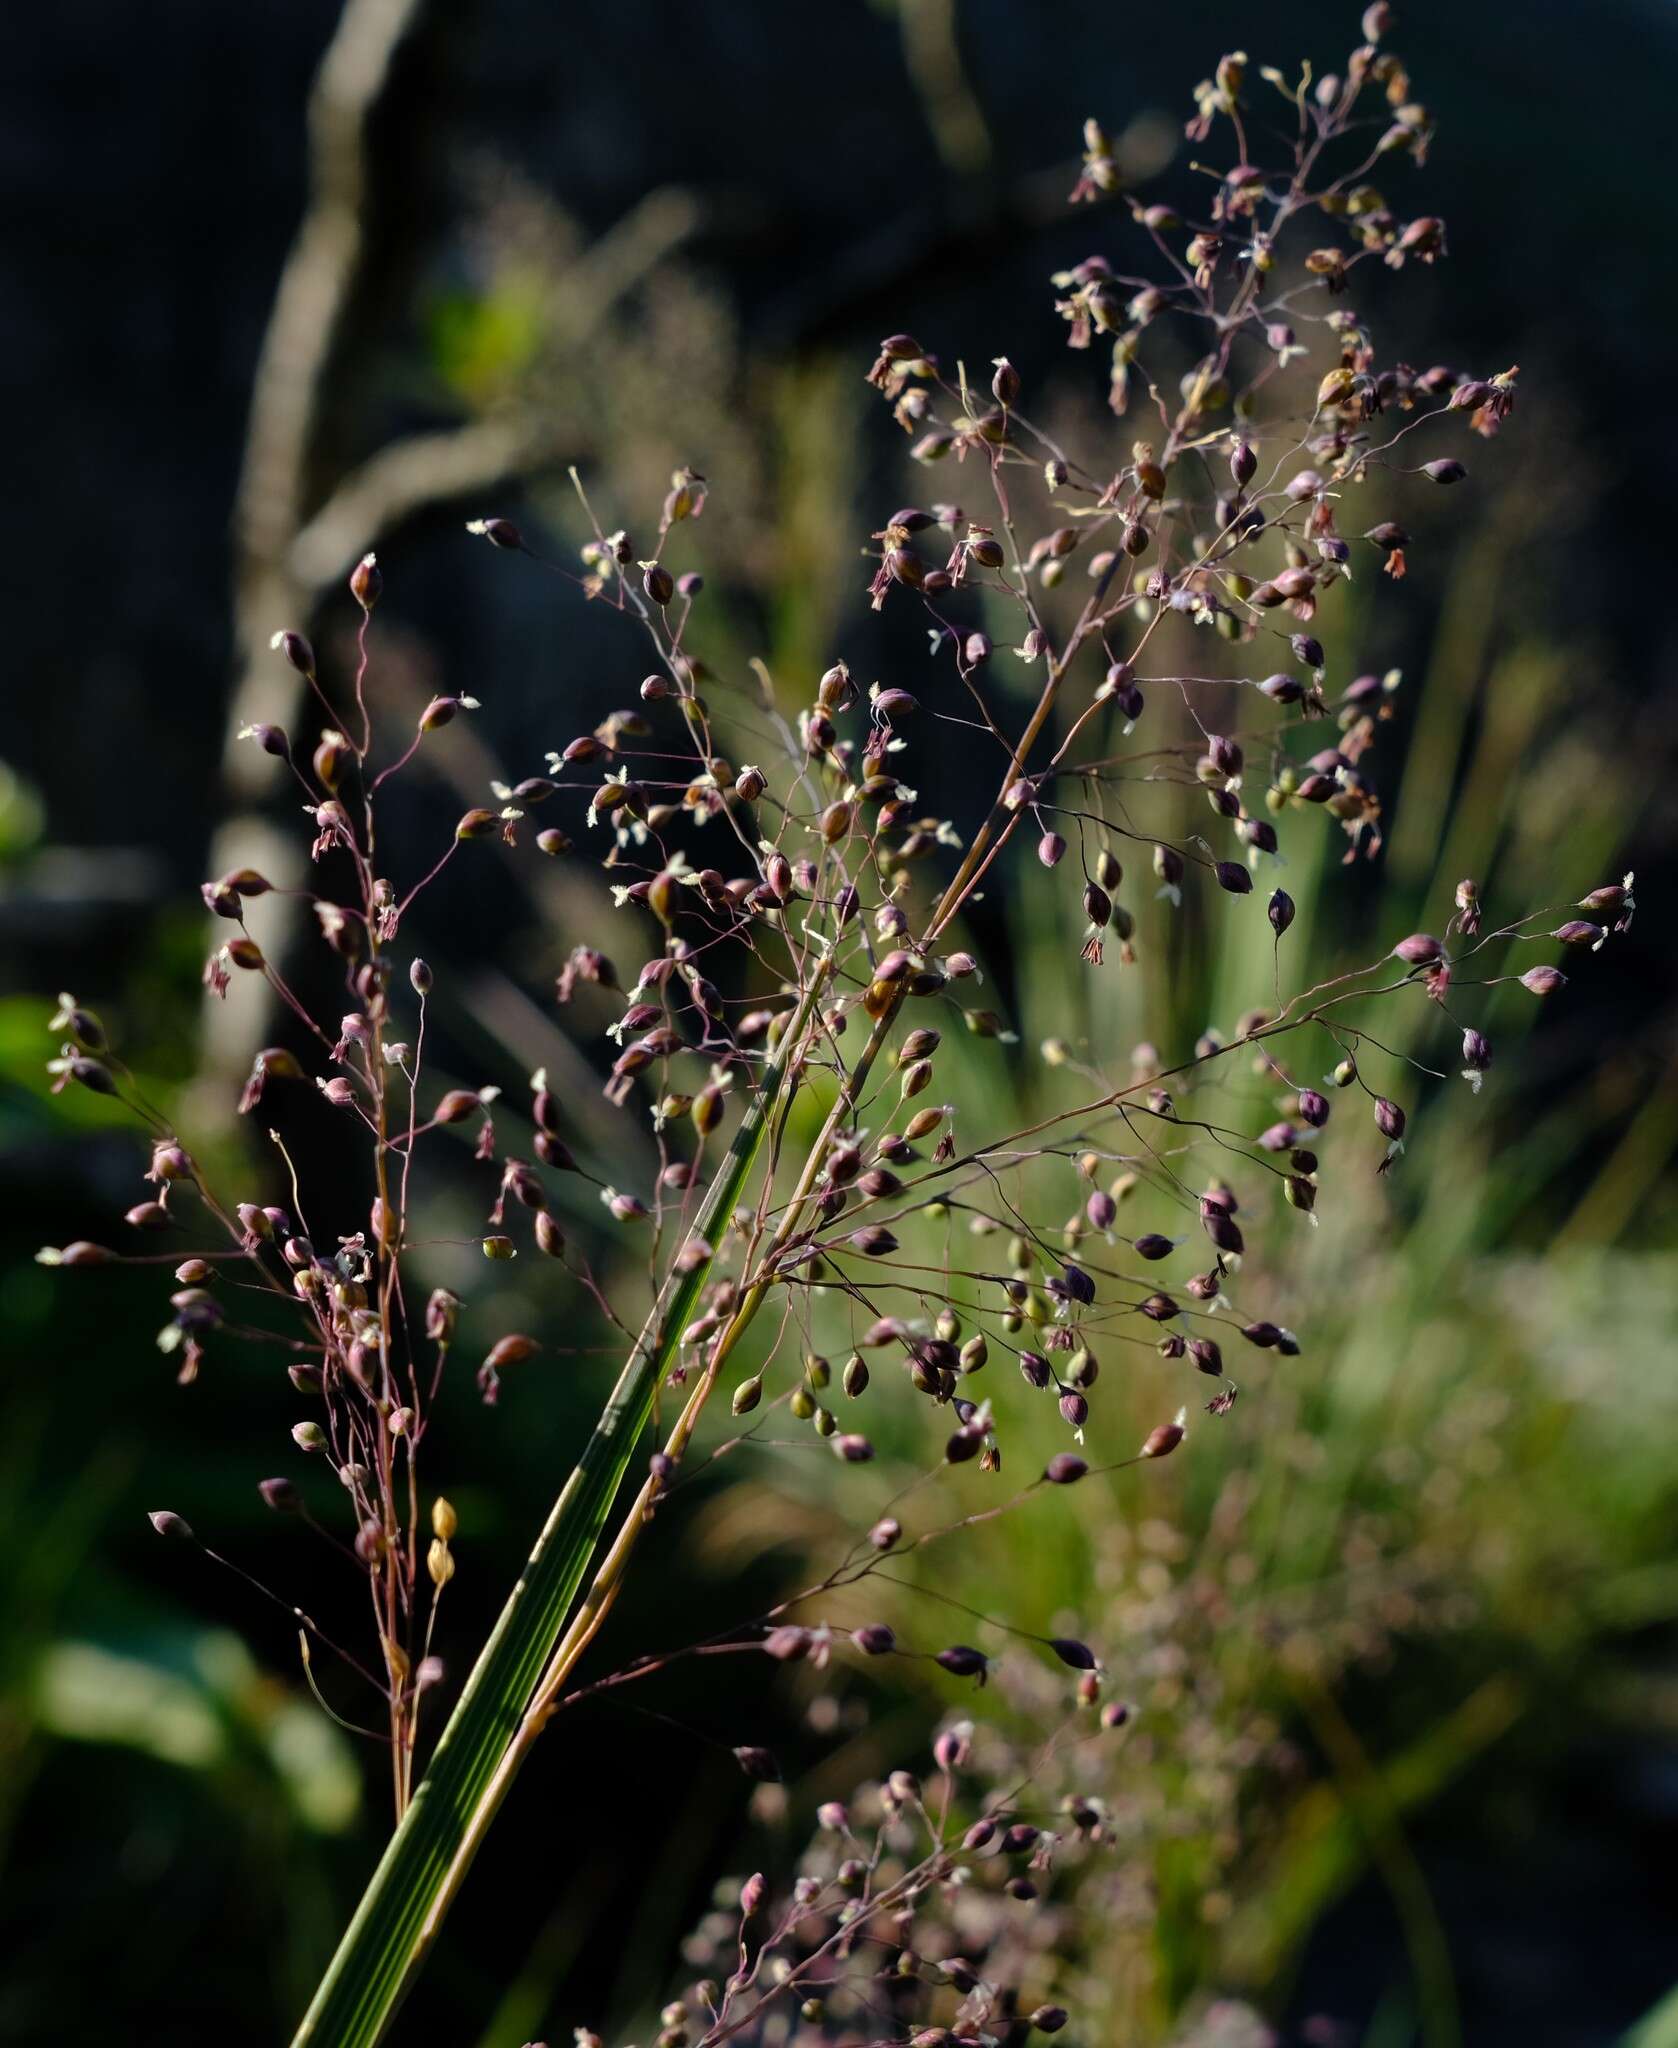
x=1314, y=1108
x=510, y=1350
x=1476, y=1051
x=1389, y=1119
x=97, y=1079
x=167, y=1524
x=281, y=1495
x=787, y=1645
x=1161, y=1442
x=875, y=1639
x=1153, y=1246
x=1051, y=849
x=1419, y=950
x=890, y=704
x=1447, y=470
x=1074, y=1409
x=1072, y=1283
x=853, y=1450
x=296, y=650
x=367, y=582
x=1243, y=464
x=1233, y=877
x=1065, y=1468
x=456, y=1105
x=438, y=713
x=885, y=1533
x=980, y=1835
x=1280, y=911
x=953, y=1747
x=1079, y=1655
x=1206, y=1355
x=500, y=533
x=1005, y=384
x=270, y=738
x=963, y=1661
x=1578, y=932
x=1034, y=1369
x=1543, y=981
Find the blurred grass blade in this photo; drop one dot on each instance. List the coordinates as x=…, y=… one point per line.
x=410, y=1890
x=1657, y=2029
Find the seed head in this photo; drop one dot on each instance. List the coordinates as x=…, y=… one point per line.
x=296, y=650
x=1164, y=1439
x=964, y=1661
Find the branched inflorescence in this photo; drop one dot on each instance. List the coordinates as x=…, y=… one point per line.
x=788, y=931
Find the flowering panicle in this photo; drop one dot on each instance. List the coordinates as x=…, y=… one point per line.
x=798, y=920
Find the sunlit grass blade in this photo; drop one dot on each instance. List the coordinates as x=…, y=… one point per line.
x=403, y=1905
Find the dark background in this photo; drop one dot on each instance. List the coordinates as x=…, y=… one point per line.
x=153, y=168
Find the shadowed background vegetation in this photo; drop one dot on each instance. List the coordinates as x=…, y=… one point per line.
x=1425, y=1572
